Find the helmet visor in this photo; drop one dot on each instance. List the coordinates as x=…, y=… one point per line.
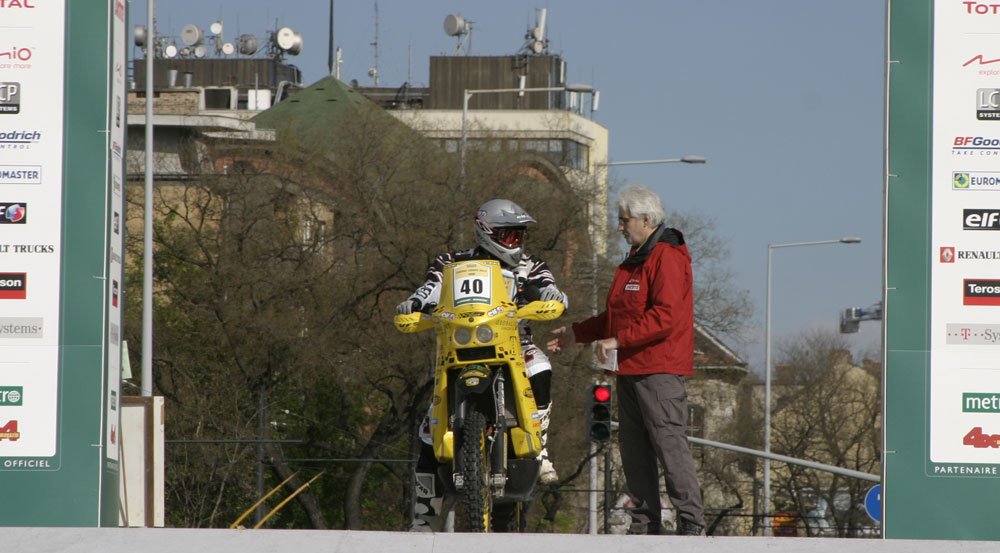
x=509, y=237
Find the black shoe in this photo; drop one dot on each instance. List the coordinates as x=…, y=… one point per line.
x=687, y=528
x=649, y=529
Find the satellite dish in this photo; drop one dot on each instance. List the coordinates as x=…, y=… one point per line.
x=537, y=47
x=200, y=51
x=185, y=52
x=191, y=35
x=170, y=51
x=247, y=45
x=228, y=48
x=139, y=35
x=216, y=28
x=456, y=25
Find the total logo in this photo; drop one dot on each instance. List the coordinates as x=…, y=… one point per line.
x=13, y=286
x=13, y=213
x=981, y=8
x=16, y=4
x=980, y=291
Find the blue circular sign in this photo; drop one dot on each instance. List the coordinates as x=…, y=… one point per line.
x=873, y=502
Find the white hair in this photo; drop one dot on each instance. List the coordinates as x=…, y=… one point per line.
x=640, y=201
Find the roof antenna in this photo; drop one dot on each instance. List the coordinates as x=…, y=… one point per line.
x=535, y=41
x=373, y=72
x=457, y=26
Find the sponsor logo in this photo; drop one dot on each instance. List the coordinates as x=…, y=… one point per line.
x=11, y=396
x=114, y=293
x=19, y=140
x=114, y=400
x=115, y=257
x=20, y=174
x=116, y=184
x=979, y=291
x=116, y=148
x=972, y=334
x=16, y=4
x=947, y=254
x=13, y=286
x=113, y=333
x=988, y=104
x=977, y=439
x=10, y=98
x=15, y=53
x=21, y=327
x=27, y=248
x=980, y=403
x=115, y=219
x=975, y=146
x=981, y=8
x=981, y=219
x=13, y=214
x=120, y=10
x=9, y=430
x=975, y=181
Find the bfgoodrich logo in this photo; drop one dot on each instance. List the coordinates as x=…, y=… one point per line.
x=972, y=334
x=980, y=291
x=11, y=396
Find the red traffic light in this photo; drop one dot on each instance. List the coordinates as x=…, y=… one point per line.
x=602, y=393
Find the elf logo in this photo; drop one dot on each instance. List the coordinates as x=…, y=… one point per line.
x=981, y=291
x=13, y=286
x=13, y=213
x=981, y=219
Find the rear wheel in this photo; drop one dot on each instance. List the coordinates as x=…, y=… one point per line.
x=475, y=498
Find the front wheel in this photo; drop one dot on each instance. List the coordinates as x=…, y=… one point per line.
x=475, y=498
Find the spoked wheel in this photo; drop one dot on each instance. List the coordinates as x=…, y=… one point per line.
x=475, y=498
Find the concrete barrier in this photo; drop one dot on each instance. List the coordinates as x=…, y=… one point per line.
x=169, y=540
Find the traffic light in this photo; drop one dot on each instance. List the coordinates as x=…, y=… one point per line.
x=599, y=414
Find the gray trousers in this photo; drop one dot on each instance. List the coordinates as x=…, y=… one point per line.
x=652, y=418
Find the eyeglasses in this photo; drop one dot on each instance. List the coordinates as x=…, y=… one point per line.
x=509, y=237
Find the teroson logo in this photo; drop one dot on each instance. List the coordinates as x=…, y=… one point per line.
x=10, y=98
x=981, y=219
x=980, y=291
x=13, y=286
x=947, y=254
x=980, y=8
x=22, y=327
x=975, y=181
x=11, y=396
x=972, y=334
x=13, y=214
x=19, y=140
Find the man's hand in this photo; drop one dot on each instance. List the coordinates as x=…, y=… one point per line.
x=602, y=347
x=564, y=338
x=408, y=306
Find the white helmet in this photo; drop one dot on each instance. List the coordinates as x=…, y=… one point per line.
x=500, y=226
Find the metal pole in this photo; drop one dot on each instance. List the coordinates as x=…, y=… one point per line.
x=607, y=490
x=461, y=147
x=592, y=495
x=147, y=237
x=790, y=460
x=767, y=400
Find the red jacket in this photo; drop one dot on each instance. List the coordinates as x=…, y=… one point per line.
x=650, y=309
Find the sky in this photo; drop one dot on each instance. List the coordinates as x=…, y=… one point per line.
x=784, y=98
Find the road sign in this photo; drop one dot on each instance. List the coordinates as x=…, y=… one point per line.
x=873, y=502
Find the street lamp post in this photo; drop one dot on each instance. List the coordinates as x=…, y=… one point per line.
x=468, y=94
x=767, y=367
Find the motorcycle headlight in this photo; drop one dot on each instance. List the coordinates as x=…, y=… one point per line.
x=484, y=334
x=462, y=335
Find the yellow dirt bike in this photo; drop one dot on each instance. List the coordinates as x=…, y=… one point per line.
x=484, y=422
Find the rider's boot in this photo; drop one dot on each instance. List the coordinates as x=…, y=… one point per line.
x=428, y=508
x=547, y=474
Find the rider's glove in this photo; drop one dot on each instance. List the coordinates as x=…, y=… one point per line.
x=550, y=293
x=408, y=306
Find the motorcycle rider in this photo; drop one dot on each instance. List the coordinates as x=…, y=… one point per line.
x=500, y=227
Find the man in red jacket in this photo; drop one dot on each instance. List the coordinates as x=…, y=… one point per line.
x=649, y=322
